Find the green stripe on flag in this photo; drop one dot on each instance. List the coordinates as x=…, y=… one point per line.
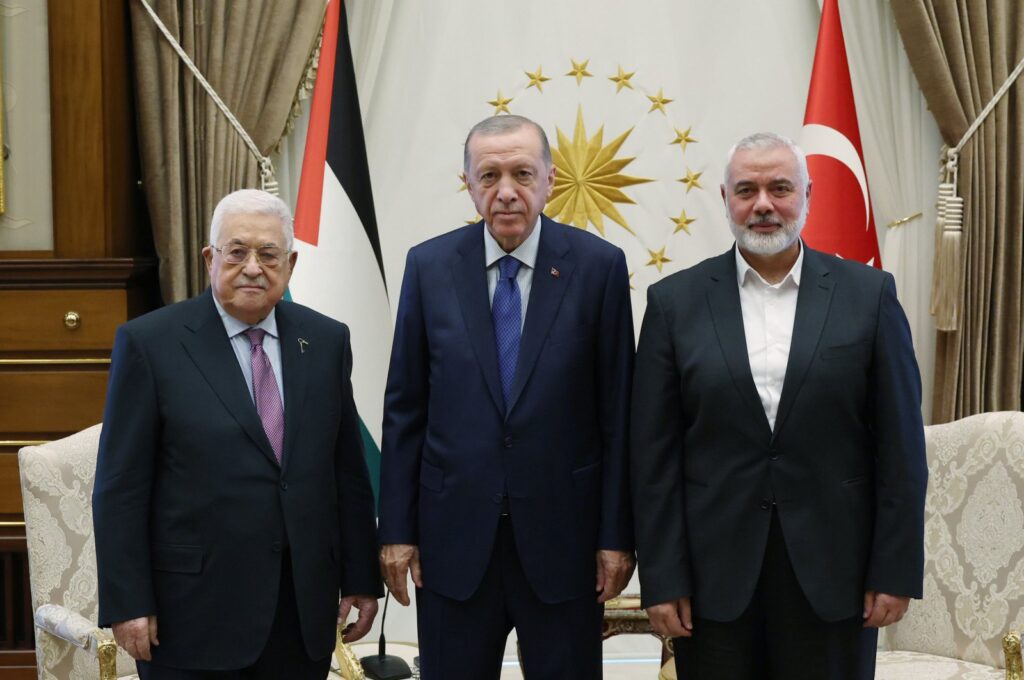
x=372, y=454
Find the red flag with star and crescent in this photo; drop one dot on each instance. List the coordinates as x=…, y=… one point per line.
x=840, y=220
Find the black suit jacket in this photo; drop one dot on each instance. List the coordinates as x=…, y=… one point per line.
x=450, y=449
x=191, y=509
x=845, y=463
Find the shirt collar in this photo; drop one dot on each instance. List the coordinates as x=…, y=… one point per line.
x=525, y=253
x=233, y=326
x=744, y=272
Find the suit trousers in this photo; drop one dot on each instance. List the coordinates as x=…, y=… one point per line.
x=465, y=640
x=778, y=637
x=283, y=656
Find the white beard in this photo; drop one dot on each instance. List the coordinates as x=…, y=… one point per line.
x=770, y=243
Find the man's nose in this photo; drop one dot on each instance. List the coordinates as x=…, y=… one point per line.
x=251, y=266
x=763, y=204
x=506, y=190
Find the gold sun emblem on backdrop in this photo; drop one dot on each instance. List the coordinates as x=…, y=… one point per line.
x=588, y=178
x=590, y=185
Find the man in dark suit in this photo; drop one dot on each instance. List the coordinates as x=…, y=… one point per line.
x=777, y=449
x=503, y=481
x=232, y=505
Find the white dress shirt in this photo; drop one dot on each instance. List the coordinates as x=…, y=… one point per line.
x=243, y=351
x=768, y=314
x=526, y=253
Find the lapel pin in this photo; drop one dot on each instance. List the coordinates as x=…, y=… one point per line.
x=554, y=272
x=303, y=345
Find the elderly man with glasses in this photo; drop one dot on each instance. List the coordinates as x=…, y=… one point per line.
x=232, y=505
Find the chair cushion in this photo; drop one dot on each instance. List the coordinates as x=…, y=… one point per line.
x=918, y=666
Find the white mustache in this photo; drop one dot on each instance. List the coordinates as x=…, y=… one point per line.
x=759, y=221
x=244, y=280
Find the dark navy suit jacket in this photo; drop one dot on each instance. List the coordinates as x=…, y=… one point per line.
x=190, y=507
x=845, y=463
x=450, y=449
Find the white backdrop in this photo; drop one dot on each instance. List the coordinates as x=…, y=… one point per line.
x=426, y=72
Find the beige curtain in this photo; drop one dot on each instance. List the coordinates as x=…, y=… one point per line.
x=961, y=52
x=254, y=53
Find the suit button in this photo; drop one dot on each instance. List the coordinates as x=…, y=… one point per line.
x=275, y=547
x=508, y=442
x=774, y=455
x=498, y=498
x=284, y=485
x=766, y=504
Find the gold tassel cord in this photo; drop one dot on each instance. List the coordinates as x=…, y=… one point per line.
x=948, y=276
x=267, y=181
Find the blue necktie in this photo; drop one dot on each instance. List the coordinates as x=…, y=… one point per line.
x=506, y=308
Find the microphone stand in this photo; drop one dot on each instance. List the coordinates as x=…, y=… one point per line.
x=383, y=666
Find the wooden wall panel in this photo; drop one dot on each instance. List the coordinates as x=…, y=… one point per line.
x=98, y=210
x=76, y=121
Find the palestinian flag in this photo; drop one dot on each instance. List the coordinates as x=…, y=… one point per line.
x=340, y=270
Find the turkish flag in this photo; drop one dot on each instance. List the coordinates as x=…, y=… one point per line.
x=840, y=221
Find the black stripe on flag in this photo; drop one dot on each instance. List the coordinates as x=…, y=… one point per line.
x=346, y=146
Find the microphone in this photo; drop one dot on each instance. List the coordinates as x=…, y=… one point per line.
x=385, y=666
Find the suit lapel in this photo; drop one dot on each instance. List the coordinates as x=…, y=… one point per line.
x=208, y=346
x=546, y=292
x=296, y=351
x=469, y=273
x=727, y=317
x=812, y=305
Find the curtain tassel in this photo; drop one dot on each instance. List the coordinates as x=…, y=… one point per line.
x=948, y=276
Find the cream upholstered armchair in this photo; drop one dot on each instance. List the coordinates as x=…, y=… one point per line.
x=974, y=558
x=56, y=484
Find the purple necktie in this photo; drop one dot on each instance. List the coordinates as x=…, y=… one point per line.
x=265, y=392
x=506, y=312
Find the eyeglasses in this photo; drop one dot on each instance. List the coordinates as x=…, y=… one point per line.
x=268, y=256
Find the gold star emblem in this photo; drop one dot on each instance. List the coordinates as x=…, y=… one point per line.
x=579, y=71
x=500, y=103
x=631, y=286
x=462, y=178
x=588, y=180
x=474, y=220
x=683, y=138
x=537, y=79
x=691, y=180
x=659, y=101
x=622, y=80
x=683, y=222
x=658, y=259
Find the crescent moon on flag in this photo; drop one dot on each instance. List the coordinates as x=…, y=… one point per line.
x=826, y=141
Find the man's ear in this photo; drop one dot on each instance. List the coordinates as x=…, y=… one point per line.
x=208, y=257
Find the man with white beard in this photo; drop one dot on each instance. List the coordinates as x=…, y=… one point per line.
x=777, y=448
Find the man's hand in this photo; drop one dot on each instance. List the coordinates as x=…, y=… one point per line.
x=881, y=609
x=397, y=560
x=367, y=606
x=614, y=569
x=136, y=635
x=672, y=619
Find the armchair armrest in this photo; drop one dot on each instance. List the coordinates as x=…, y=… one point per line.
x=1011, y=652
x=82, y=633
